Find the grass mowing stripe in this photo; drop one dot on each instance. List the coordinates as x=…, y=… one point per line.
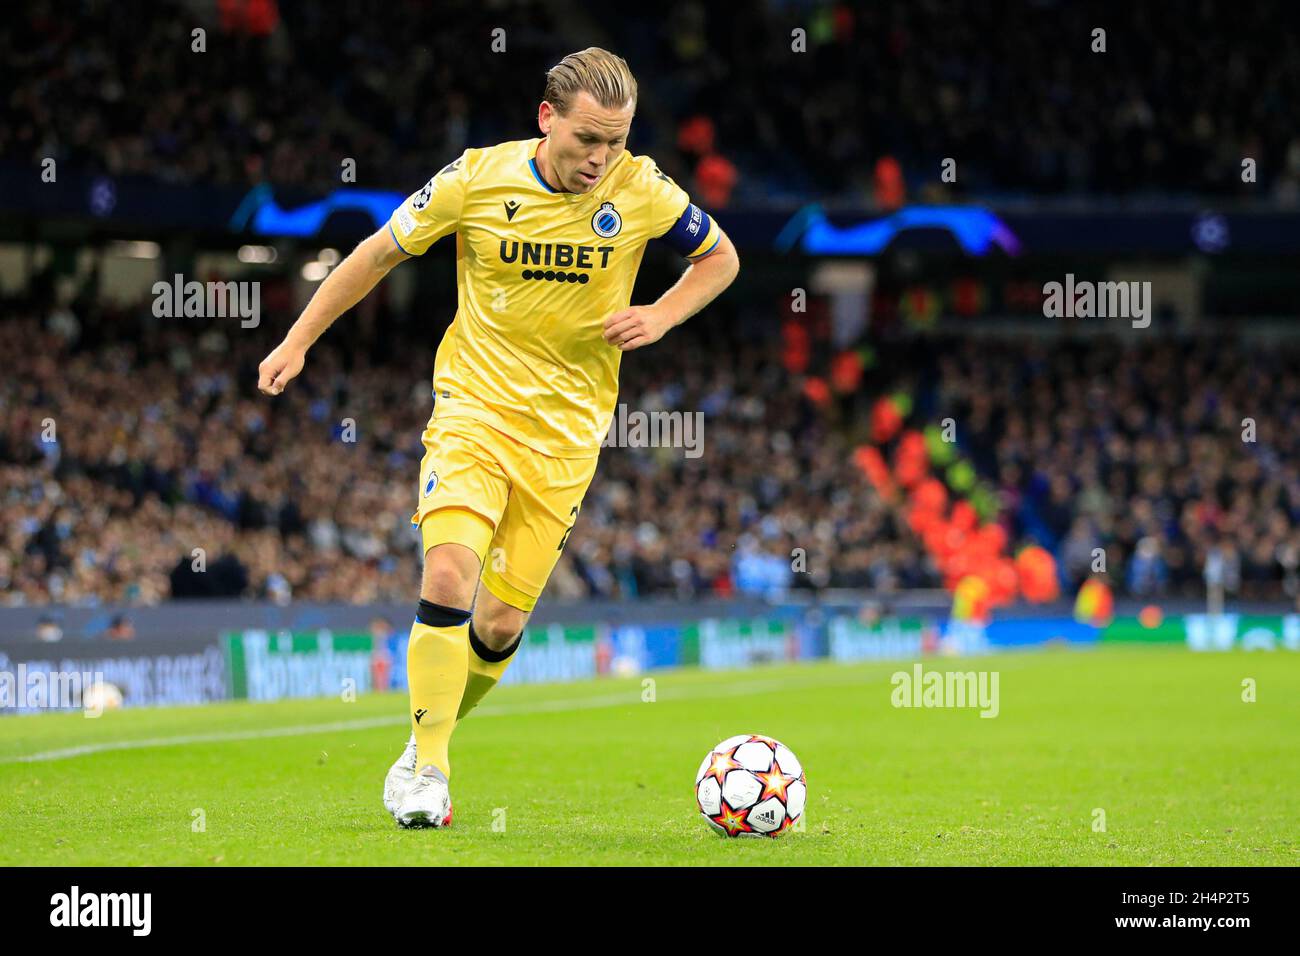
x=233, y=735
x=501, y=710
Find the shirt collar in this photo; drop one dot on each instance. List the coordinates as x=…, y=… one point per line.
x=537, y=173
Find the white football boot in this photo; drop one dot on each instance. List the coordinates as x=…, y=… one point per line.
x=427, y=802
x=400, y=777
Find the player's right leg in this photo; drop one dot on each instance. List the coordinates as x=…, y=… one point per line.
x=463, y=492
x=437, y=661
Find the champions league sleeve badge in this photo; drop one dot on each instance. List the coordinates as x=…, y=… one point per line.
x=423, y=196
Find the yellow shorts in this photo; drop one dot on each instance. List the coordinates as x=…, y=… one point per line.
x=512, y=506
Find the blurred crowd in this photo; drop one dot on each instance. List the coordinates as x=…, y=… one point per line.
x=138, y=462
x=1025, y=97
x=1164, y=454
x=282, y=93
x=773, y=502
x=751, y=101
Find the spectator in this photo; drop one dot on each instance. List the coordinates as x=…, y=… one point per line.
x=120, y=629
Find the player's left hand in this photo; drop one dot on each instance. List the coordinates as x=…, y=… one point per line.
x=636, y=326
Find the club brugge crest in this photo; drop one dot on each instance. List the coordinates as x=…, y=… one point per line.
x=431, y=483
x=607, y=222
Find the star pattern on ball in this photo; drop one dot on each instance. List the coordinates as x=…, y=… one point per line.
x=732, y=820
x=774, y=784
x=720, y=765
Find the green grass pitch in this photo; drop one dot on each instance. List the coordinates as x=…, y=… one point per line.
x=1159, y=739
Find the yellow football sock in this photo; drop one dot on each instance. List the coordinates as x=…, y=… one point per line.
x=486, y=667
x=437, y=664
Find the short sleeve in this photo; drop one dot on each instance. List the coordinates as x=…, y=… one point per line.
x=678, y=221
x=432, y=211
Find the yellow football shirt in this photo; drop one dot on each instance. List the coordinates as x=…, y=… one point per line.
x=537, y=273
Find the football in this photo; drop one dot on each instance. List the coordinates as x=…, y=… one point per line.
x=751, y=785
x=100, y=697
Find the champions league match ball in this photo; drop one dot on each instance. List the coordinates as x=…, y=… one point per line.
x=751, y=786
x=100, y=697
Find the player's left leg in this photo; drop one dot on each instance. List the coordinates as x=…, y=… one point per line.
x=545, y=495
x=495, y=633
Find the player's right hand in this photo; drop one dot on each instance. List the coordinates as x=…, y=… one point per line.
x=279, y=368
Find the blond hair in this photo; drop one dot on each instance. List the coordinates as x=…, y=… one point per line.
x=601, y=73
